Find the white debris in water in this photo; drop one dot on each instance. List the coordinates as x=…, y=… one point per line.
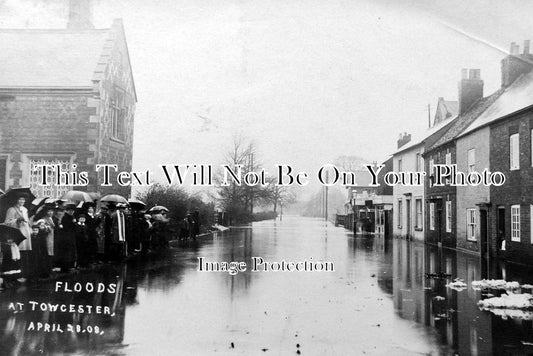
x=508, y=301
x=220, y=227
x=458, y=284
x=495, y=284
x=516, y=314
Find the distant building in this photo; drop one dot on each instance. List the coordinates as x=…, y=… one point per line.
x=445, y=110
x=368, y=208
x=67, y=96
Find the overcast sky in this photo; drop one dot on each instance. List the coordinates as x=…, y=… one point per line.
x=307, y=80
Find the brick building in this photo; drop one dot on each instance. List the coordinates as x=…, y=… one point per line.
x=408, y=200
x=499, y=139
x=507, y=127
x=67, y=97
x=444, y=214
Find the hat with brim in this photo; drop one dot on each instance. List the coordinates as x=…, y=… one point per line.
x=69, y=206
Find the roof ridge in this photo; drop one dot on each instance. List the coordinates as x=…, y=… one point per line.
x=52, y=30
x=464, y=121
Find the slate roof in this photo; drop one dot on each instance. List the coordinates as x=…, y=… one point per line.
x=517, y=96
x=50, y=58
x=422, y=137
x=452, y=106
x=463, y=121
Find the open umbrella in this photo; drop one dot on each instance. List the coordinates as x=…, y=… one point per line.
x=38, y=203
x=10, y=233
x=10, y=198
x=83, y=206
x=157, y=209
x=136, y=204
x=114, y=198
x=77, y=196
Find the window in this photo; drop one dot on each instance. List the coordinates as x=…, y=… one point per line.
x=531, y=138
x=418, y=207
x=448, y=158
x=118, y=116
x=531, y=222
x=419, y=163
x=431, y=163
x=448, y=216
x=432, y=216
x=471, y=160
x=515, y=223
x=3, y=173
x=471, y=224
x=51, y=189
x=514, y=152
x=400, y=165
x=400, y=211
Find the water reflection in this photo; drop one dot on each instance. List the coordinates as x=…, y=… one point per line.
x=455, y=315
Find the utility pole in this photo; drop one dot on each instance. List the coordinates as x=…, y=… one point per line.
x=429, y=115
x=252, y=188
x=326, y=198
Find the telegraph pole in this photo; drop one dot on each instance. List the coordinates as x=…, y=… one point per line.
x=326, y=198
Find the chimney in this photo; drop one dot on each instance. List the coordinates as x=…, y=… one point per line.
x=516, y=64
x=79, y=15
x=470, y=89
x=403, y=139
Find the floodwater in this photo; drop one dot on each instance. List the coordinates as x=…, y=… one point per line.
x=378, y=301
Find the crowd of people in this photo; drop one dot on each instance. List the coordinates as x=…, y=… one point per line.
x=65, y=236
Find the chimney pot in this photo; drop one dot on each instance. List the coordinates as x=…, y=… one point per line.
x=474, y=74
x=516, y=64
x=464, y=73
x=79, y=16
x=470, y=89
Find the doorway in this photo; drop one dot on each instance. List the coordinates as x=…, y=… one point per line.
x=500, y=235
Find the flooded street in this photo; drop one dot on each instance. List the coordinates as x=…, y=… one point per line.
x=377, y=301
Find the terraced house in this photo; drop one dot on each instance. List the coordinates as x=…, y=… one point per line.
x=442, y=210
x=408, y=200
x=507, y=127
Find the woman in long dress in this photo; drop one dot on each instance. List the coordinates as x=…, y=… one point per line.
x=17, y=217
x=10, y=270
x=49, y=228
x=65, y=239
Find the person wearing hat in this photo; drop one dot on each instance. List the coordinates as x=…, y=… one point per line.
x=92, y=236
x=49, y=224
x=66, y=238
x=59, y=212
x=118, y=232
x=39, y=250
x=17, y=217
x=101, y=222
x=82, y=241
x=145, y=227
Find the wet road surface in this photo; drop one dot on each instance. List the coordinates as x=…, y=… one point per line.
x=377, y=301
